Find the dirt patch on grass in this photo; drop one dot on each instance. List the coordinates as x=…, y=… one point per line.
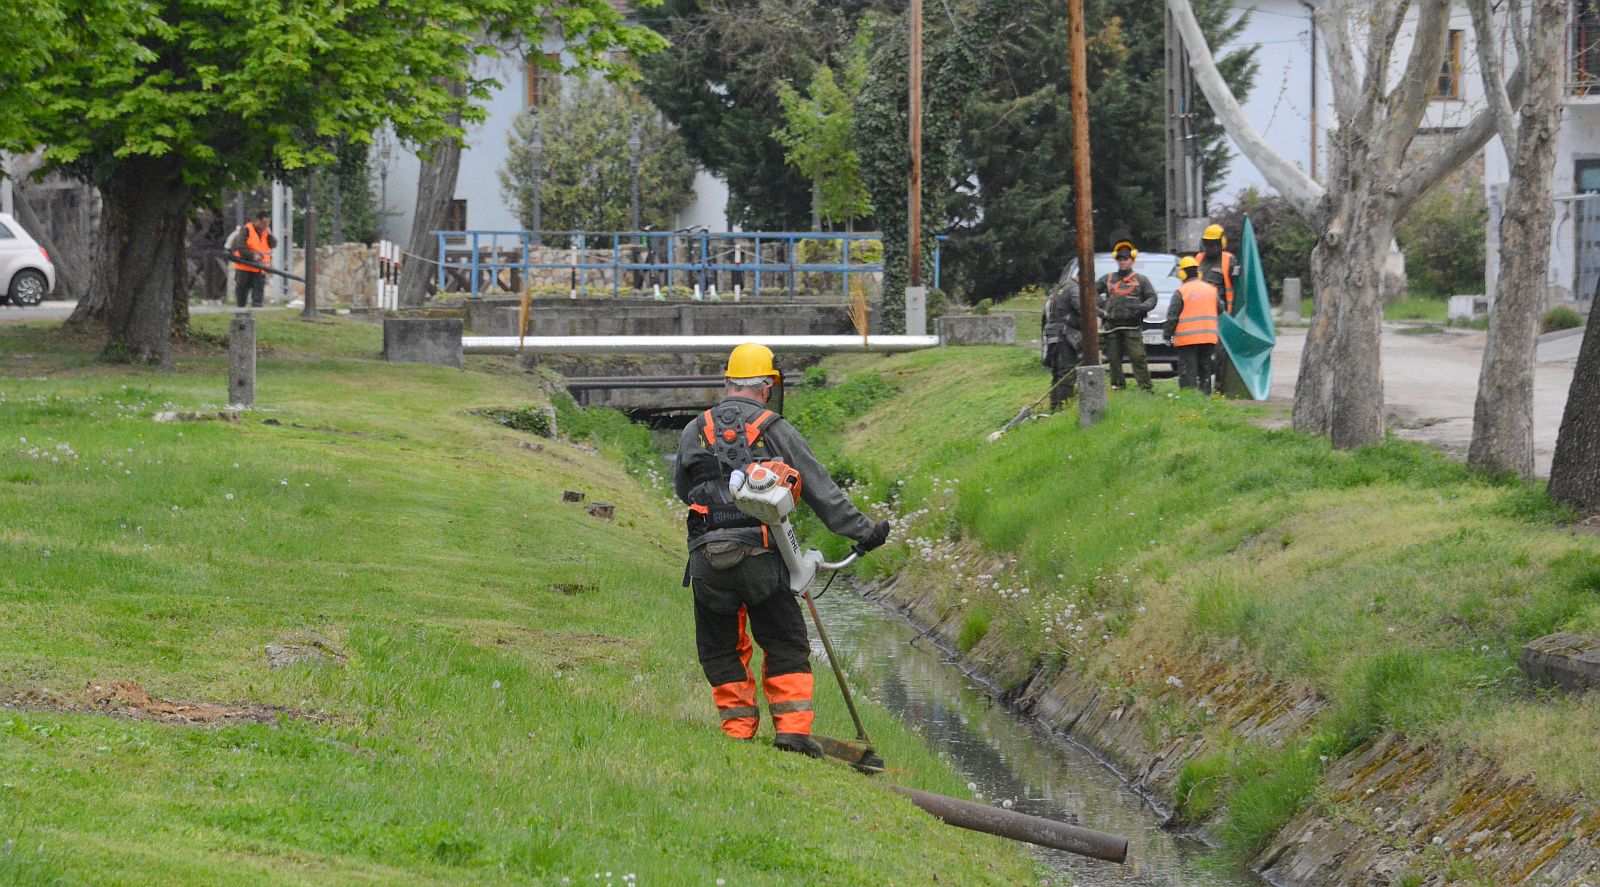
x=564, y=650
x=128, y=699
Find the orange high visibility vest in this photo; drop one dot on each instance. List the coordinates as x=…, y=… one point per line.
x=1197, y=325
x=1227, y=275
x=256, y=241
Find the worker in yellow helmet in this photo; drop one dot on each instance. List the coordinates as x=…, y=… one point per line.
x=741, y=585
x=1216, y=263
x=1192, y=326
x=1125, y=296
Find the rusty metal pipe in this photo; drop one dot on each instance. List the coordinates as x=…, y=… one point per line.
x=1019, y=826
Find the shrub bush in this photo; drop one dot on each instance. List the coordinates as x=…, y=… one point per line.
x=1442, y=238
x=1559, y=318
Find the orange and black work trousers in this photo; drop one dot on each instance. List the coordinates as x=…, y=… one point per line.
x=752, y=600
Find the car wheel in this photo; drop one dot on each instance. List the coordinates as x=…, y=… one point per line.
x=28, y=288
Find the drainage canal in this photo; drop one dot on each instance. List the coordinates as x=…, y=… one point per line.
x=1010, y=758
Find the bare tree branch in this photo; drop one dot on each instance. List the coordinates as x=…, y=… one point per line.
x=1491, y=69
x=1332, y=19
x=1466, y=142
x=1299, y=188
x=1408, y=101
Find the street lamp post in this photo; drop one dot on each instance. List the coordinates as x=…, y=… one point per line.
x=537, y=149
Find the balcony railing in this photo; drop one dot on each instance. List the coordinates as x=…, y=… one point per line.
x=1583, y=49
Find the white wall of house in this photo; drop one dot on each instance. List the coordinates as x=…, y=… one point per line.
x=485, y=155
x=1577, y=140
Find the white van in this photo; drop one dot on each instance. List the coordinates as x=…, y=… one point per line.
x=26, y=273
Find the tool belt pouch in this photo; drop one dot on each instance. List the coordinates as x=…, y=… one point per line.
x=725, y=554
x=1124, y=309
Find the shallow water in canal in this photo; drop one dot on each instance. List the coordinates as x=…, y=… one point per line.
x=1007, y=757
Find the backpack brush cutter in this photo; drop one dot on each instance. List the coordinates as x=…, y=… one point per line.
x=766, y=491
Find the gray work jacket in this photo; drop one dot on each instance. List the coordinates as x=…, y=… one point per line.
x=779, y=440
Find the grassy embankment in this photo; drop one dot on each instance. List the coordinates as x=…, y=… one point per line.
x=1393, y=581
x=512, y=694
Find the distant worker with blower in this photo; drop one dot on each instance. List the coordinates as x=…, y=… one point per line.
x=736, y=575
x=1192, y=326
x=251, y=242
x=1125, y=296
x=1063, y=337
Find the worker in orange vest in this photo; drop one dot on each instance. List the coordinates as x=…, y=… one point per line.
x=1192, y=325
x=253, y=242
x=1216, y=263
x=736, y=574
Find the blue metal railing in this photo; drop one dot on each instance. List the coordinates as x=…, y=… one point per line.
x=469, y=259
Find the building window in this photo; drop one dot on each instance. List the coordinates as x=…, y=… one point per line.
x=1449, y=85
x=541, y=81
x=457, y=220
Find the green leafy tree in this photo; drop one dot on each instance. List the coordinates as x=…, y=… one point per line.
x=818, y=138
x=587, y=176
x=719, y=84
x=1442, y=238
x=1014, y=226
x=165, y=104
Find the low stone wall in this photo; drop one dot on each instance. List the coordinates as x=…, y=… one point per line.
x=435, y=340
x=1392, y=808
x=977, y=329
x=347, y=273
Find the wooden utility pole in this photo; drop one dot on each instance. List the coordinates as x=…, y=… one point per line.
x=1081, y=182
x=915, y=246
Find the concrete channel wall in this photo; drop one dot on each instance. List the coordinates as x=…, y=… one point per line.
x=645, y=317
x=1396, y=807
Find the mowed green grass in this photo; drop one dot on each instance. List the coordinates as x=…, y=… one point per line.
x=1397, y=584
x=520, y=701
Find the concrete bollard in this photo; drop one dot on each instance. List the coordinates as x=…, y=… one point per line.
x=242, y=360
x=1091, y=395
x=916, y=311
x=1291, y=300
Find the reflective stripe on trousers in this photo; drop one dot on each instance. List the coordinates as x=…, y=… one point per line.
x=736, y=700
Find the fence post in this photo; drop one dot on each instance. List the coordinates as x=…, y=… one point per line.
x=616, y=265
x=242, y=360
x=791, y=241
x=475, y=270
x=440, y=235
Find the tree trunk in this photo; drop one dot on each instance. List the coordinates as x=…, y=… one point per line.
x=134, y=275
x=1575, y=472
x=436, y=187
x=1355, y=404
x=1502, y=419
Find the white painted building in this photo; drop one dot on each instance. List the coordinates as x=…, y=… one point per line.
x=480, y=203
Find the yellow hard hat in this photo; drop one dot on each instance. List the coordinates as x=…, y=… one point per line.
x=1188, y=262
x=750, y=360
x=1125, y=245
x=1188, y=268
x=1214, y=232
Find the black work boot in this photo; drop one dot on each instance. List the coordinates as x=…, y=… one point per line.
x=797, y=742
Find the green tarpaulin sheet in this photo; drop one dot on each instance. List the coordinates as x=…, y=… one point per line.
x=1248, y=334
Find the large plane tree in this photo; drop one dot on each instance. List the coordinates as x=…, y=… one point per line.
x=165, y=104
x=1381, y=87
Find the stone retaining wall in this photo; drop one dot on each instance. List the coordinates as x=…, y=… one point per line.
x=1391, y=809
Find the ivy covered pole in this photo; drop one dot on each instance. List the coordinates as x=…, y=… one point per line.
x=916, y=299
x=1091, y=378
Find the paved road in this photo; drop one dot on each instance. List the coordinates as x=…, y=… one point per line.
x=63, y=310
x=1431, y=381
